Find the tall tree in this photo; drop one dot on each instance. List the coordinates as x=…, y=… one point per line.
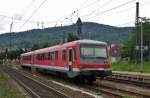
x=130, y=49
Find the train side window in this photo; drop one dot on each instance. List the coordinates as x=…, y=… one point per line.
x=43, y=56
x=52, y=56
x=30, y=57
x=40, y=57
x=27, y=58
x=37, y=58
x=70, y=54
x=56, y=55
x=64, y=55
x=74, y=53
x=49, y=56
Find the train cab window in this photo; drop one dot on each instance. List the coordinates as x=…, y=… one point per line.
x=64, y=55
x=93, y=52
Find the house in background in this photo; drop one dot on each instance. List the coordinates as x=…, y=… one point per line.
x=115, y=52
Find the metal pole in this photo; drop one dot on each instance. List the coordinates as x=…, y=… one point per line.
x=137, y=54
x=141, y=69
x=10, y=40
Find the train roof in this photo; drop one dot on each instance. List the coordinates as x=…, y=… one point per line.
x=56, y=47
x=86, y=41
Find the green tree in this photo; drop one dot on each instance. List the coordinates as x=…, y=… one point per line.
x=35, y=47
x=71, y=37
x=129, y=47
x=47, y=44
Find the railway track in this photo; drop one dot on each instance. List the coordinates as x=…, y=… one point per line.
x=104, y=87
x=124, y=89
x=109, y=88
x=128, y=78
x=128, y=84
x=35, y=88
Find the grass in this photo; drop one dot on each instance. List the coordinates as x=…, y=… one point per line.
x=6, y=89
x=131, y=67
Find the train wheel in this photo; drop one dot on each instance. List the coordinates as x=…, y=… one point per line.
x=91, y=79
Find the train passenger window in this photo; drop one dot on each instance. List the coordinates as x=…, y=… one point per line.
x=49, y=56
x=53, y=57
x=30, y=58
x=27, y=58
x=74, y=53
x=56, y=55
x=43, y=56
x=70, y=54
x=37, y=57
x=64, y=55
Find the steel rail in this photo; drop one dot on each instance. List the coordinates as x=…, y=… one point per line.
x=35, y=93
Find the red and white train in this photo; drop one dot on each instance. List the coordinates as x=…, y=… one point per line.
x=82, y=58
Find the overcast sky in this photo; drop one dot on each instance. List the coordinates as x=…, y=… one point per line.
x=65, y=12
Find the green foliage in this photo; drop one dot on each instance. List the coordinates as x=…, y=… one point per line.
x=39, y=46
x=2, y=55
x=131, y=67
x=127, y=97
x=71, y=37
x=35, y=47
x=129, y=47
x=47, y=44
x=13, y=54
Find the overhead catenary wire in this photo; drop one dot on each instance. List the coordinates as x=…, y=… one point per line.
x=89, y=5
x=28, y=7
x=9, y=17
x=70, y=15
x=95, y=10
x=126, y=23
x=32, y=14
x=62, y=18
x=83, y=4
x=118, y=12
x=111, y=9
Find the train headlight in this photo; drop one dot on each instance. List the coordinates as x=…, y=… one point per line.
x=81, y=67
x=106, y=61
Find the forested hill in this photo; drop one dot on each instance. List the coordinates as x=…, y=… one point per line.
x=55, y=35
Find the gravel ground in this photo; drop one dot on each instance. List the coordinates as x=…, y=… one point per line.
x=9, y=88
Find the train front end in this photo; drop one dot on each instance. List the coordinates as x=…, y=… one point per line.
x=94, y=59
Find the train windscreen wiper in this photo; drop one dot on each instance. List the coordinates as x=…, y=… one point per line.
x=100, y=57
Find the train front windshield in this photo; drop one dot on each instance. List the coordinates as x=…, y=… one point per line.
x=93, y=53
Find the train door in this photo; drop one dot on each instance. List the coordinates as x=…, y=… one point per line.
x=70, y=59
x=64, y=61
